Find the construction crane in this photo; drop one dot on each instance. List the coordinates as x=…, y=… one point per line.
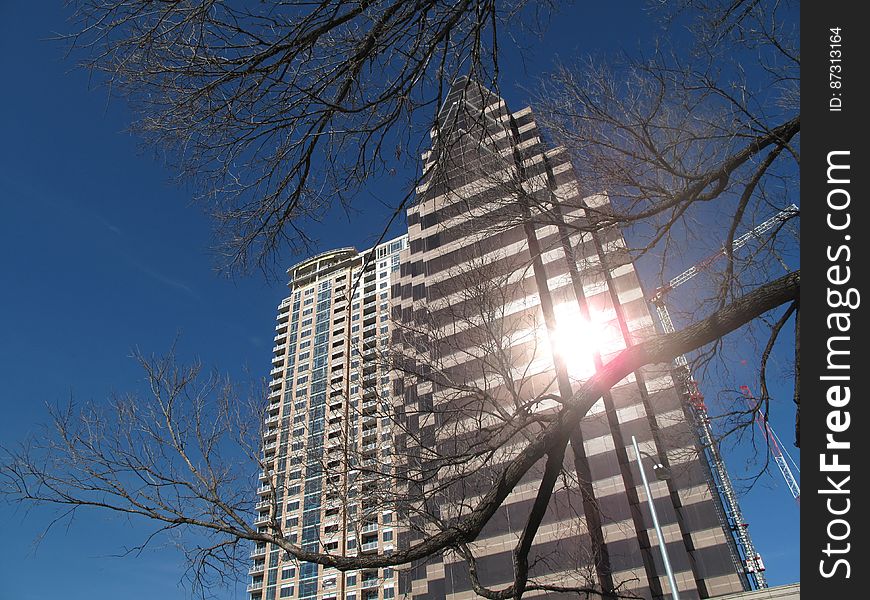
x=748, y=559
x=773, y=444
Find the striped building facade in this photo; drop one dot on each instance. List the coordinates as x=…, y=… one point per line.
x=467, y=317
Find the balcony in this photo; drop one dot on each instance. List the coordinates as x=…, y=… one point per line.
x=263, y=504
x=274, y=394
x=258, y=552
x=369, y=583
x=270, y=446
x=369, y=546
x=272, y=419
x=262, y=520
x=257, y=585
x=276, y=370
x=279, y=348
x=264, y=489
x=257, y=568
x=369, y=527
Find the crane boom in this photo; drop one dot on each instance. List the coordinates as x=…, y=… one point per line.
x=756, y=232
x=748, y=559
x=775, y=451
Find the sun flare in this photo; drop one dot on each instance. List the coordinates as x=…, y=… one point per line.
x=576, y=340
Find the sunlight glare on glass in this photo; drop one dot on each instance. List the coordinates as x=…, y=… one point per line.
x=576, y=340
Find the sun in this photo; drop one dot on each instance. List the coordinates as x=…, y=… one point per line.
x=576, y=340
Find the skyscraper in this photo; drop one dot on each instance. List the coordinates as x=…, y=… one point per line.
x=323, y=438
x=407, y=376
x=480, y=366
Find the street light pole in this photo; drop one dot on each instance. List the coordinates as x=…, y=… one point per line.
x=675, y=594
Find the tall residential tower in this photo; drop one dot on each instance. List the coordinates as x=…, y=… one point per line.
x=324, y=438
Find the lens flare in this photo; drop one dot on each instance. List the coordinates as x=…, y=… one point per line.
x=576, y=340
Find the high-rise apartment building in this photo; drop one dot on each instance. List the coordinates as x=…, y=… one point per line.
x=468, y=313
x=324, y=439
x=398, y=393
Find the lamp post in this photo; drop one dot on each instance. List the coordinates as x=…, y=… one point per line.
x=661, y=474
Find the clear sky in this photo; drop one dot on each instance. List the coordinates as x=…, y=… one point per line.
x=100, y=254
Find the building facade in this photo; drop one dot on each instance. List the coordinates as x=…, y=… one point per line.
x=324, y=439
x=406, y=376
x=468, y=313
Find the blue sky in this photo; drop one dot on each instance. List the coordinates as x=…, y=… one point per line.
x=101, y=253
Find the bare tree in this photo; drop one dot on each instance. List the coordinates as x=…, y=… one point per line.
x=283, y=110
x=685, y=140
x=181, y=457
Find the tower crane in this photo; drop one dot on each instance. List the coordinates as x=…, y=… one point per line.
x=774, y=446
x=749, y=560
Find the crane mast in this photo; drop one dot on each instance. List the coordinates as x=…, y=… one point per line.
x=750, y=560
